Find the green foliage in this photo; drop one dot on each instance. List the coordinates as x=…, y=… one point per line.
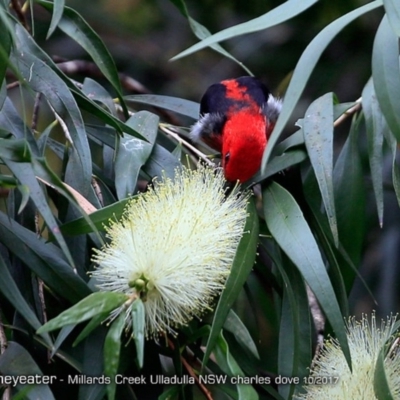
x=73, y=152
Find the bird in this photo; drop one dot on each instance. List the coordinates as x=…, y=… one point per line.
x=236, y=119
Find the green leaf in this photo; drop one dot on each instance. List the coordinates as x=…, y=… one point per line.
x=386, y=75
x=41, y=78
x=29, y=45
x=320, y=226
x=11, y=121
x=277, y=164
x=96, y=92
x=232, y=368
x=161, y=162
x=375, y=125
x=64, y=333
x=294, y=140
x=202, y=33
x=392, y=8
x=242, y=265
x=294, y=352
x=287, y=225
x=138, y=330
x=234, y=325
x=58, y=10
x=181, y=106
x=95, y=303
x=391, y=140
x=381, y=385
x=93, y=365
x=15, y=150
x=79, y=30
x=133, y=153
x=318, y=137
x=350, y=197
x=23, y=171
x=16, y=361
x=112, y=351
x=282, y=13
x=99, y=218
x=90, y=327
x=305, y=67
x=44, y=259
x=5, y=46
x=11, y=292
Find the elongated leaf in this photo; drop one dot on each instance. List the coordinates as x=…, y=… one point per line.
x=161, y=162
x=381, y=386
x=89, y=307
x=392, y=8
x=181, y=106
x=202, y=33
x=282, y=13
x=133, y=153
x=294, y=352
x=99, y=218
x=318, y=137
x=375, y=124
x=304, y=68
x=90, y=327
x=234, y=325
x=112, y=350
x=95, y=91
x=11, y=121
x=58, y=9
x=27, y=44
x=16, y=361
x=391, y=140
x=10, y=290
x=287, y=225
x=232, y=368
x=93, y=365
x=320, y=226
x=386, y=75
x=44, y=259
x=79, y=30
x=277, y=164
x=296, y=139
x=25, y=174
x=15, y=150
x=64, y=333
x=5, y=47
x=43, y=79
x=242, y=265
x=138, y=329
x=350, y=197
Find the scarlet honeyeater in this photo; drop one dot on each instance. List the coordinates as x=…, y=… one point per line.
x=237, y=117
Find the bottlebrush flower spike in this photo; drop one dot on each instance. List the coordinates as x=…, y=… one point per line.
x=174, y=247
x=365, y=342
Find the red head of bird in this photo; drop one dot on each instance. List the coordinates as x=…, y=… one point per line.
x=236, y=118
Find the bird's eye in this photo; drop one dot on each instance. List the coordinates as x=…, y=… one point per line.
x=227, y=156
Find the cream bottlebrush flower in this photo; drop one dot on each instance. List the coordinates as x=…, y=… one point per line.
x=365, y=341
x=174, y=247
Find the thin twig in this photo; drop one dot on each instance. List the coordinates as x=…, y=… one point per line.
x=35, y=112
x=64, y=126
x=183, y=142
x=349, y=112
x=97, y=190
x=190, y=371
